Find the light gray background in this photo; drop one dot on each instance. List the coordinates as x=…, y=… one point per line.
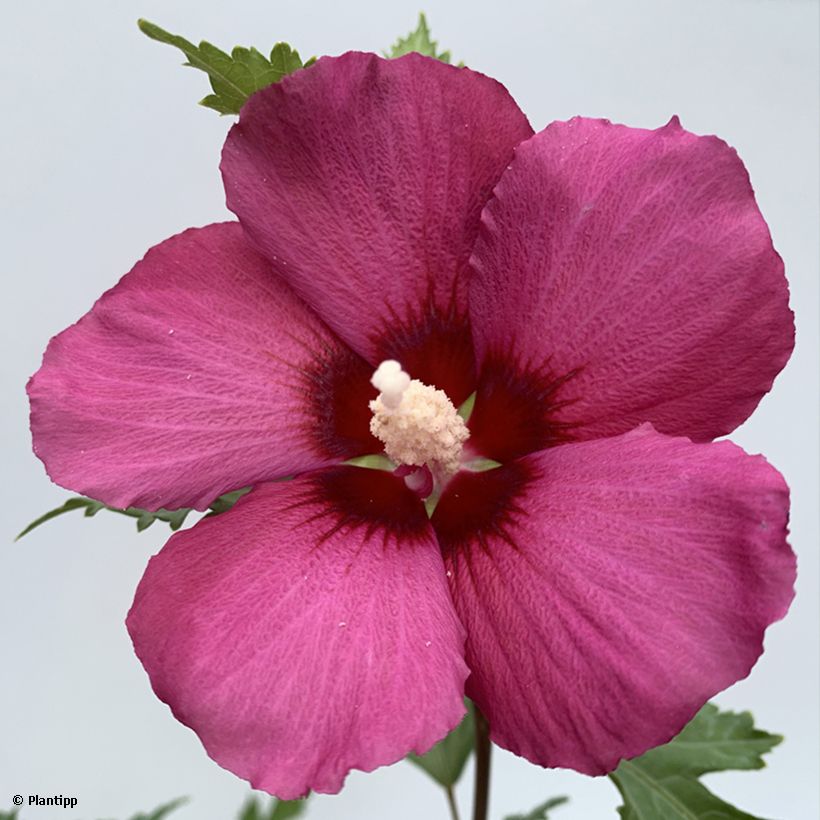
x=104, y=153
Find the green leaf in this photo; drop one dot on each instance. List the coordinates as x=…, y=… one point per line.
x=226, y=501
x=284, y=809
x=663, y=782
x=163, y=811
x=418, y=41
x=9, y=815
x=445, y=761
x=145, y=518
x=278, y=809
x=235, y=76
x=713, y=741
x=540, y=812
x=91, y=508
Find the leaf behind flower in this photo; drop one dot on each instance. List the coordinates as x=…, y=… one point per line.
x=235, y=76
x=419, y=41
x=278, y=809
x=540, y=812
x=445, y=761
x=663, y=782
x=163, y=811
x=145, y=518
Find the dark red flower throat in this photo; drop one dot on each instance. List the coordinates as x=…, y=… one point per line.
x=513, y=415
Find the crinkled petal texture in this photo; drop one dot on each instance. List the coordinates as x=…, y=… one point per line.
x=199, y=373
x=306, y=632
x=363, y=180
x=609, y=588
x=634, y=268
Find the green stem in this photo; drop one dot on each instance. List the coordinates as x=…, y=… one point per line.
x=451, y=802
x=482, y=767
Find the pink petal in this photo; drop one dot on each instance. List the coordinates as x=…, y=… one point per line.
x=610, y=588
x=634, y=269
x=362, y=180
x=306, y=632
x=199, y=373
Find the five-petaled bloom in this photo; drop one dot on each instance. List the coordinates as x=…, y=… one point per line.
x=611, y=296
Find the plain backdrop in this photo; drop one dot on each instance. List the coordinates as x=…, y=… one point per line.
x=104, y=153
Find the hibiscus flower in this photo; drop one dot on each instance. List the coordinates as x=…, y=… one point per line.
x=612, y=298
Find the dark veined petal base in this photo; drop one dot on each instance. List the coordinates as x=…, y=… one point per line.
x=434, y=346
x=477, y=506
x=340, y=390
x=376, y=500
x=515, y=409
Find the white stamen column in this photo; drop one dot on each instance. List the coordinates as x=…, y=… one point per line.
x=418, y=424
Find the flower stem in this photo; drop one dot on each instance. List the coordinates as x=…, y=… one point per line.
x=451, y=802
x=482, y=766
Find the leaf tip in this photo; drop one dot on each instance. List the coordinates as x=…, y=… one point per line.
x=147, y=27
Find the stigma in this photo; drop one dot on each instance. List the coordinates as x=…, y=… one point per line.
x=418, y=424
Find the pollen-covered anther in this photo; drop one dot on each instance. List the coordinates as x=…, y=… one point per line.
x=417, y=423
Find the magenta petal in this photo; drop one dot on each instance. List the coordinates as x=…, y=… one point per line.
x=363, y=179
x=306, y=632
x=610, y=588
x=199, y=373
x=633, y=267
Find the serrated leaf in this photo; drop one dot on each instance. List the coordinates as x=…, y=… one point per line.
x=163, y=811
x=145, y=518
x=445, y=761
x=90, y=507
x=673, y=798
x=713, y=741
x=226, y=501
x=540, y=812
x=278, y=809
x=285, y=60
x=663, y=782
x=419, y=41
x=235, y=76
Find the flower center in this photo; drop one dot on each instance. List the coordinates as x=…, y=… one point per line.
x=418, y=424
